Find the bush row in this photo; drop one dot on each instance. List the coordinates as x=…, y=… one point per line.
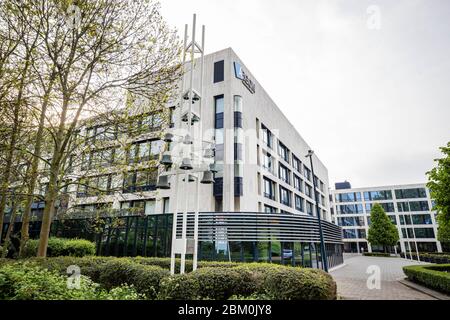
x=376, y=254
x=435, y=257
x=28, y=282
x=432, y=276
x=260, y=281
x=211, y=281
x=61, y=247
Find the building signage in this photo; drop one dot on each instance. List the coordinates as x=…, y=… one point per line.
x=240, y=74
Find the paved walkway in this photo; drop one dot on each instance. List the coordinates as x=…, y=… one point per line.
x=352, y=279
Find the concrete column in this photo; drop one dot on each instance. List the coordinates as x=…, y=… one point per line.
x=228, y=167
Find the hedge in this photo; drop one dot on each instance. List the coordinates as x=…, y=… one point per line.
x=146, y=279
x=61, y=247
x=432, y=276
x=165, y=263
x=250, y=281
x=211, y=281
x=376, y=254
x=25, y=282
x=434, y=257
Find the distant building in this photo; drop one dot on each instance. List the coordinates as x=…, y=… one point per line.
x=408, y=206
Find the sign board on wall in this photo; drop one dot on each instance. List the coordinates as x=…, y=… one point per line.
x=240, y=74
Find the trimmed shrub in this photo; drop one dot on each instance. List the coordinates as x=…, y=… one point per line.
x=377, y=254
x=22, y=282
x=146, y=279
x=165, y=263
x=432, y=276
x=179, y=287
x=299, y=284
x=221, y=283
x=61, y=247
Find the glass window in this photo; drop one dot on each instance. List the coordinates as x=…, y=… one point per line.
x=410, y=193
x=156, y=148
x=412, y=206
x=285, y=196
x=267, y=136
x=284, y=173
x=268, y=162
x=348, y=197
x=144, y=151
x=298, y=183
x=387, y=207
x=309, y=208
x=297, y=164
x=361, y=233
x=308, y=190
x=269, y=209
x=350, y=233
x=269, y=189
x=307, y=173
x=299, y=203
x=420, y=233
x=166, y=205
x=219, y=73
x=350, y=209
x=417, y=219
x=378, y=195
x=351, y=221
x=418, y=206
x=283, y=151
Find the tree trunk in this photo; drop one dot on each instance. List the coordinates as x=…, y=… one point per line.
x=53, y=183
x=7, y=168
x=24, y=232
x=12, y=144
x=10, y=228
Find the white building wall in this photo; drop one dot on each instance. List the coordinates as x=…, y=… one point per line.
x=255, y=106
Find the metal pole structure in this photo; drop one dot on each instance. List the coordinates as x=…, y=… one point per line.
x=414, y=235
x=196, y=214
x=175, y=213
x=184, y=224
x=195, y=255
x=322, y=244
x=189, y=148
x=174, y=227
x=407, y=238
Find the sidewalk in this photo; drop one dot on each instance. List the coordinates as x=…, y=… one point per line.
x=352, y=279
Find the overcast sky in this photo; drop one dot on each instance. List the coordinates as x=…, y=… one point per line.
x=369, y=92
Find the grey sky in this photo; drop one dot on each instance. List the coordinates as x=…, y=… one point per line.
x=373, y=103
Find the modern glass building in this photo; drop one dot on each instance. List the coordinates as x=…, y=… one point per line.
x=261, y=206
x=409, y=207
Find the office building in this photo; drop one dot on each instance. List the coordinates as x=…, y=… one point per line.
x=409, y=207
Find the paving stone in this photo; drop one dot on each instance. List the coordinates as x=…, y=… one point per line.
x=352, y=279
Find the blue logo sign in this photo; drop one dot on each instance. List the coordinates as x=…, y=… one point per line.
x=238, y=71
x=240, y=74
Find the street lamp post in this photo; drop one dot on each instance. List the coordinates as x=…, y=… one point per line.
x=322, y=244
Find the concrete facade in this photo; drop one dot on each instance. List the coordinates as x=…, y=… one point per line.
x=258, y=110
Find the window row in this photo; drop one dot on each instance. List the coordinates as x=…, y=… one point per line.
x=420, y=233
x=135, y=153
x=143, y=123
x=135, y=181
x=413, y=206
x=410, y=193
x=286, y=155
x=286, y=199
